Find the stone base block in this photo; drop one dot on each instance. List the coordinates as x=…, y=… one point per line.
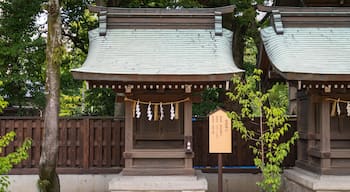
x=196, y=183
x=300, y=180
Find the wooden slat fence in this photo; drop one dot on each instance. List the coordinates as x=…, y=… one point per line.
x=96, y=144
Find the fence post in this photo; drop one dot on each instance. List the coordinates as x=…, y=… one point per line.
x=86, y=142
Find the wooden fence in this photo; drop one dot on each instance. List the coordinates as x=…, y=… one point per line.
x=96, y=145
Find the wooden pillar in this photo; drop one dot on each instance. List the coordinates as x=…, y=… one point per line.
x=311, y=129
x=299, y=125
x=128, y=132
x=188, y=130
x=325, y=135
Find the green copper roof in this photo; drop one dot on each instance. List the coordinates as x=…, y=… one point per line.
x=323, y=51
x=160, y=52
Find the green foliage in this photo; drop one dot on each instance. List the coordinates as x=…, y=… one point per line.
x=70, y=105
x=99, y=101
x=279, y=95
x=249, y=58
x=7, y=162
x=22, y=50
x=269, y=151
x=3, y=103
x=245, y=17
x=11, y=159
x=71, y=59
x=77, y=21
x=210, y=101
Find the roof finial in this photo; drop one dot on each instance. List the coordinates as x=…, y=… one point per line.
x=103, y=23
x=218, y=23
x=277, y=21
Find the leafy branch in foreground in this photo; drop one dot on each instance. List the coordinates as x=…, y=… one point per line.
x=266, y=144
x=11, y=159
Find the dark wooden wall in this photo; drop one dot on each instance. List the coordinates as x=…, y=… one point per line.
x=241, y=158
x=96, y=145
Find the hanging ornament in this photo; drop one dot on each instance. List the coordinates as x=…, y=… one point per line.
x=149, y=112
x=161, y=111
x=348, y=108
x=138, y=111
x=172, y=111
x=338, y=107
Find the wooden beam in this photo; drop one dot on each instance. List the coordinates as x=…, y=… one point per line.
x=188, y=131
x=156, y=154
x=340, y=153
x=161, y=23
x=300, y=128
x=128, y=132
x=311, y=129
x=188, y=118
x=316, y=153
x=325, y=132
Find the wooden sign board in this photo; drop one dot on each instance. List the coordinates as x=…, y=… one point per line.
x=220, y=133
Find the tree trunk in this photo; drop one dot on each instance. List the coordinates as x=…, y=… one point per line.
x=49, y=181
x=238, y=43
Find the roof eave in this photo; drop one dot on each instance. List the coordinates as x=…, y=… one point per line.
x=314, y=77
x=294, y=76
x=153, y=78
x=306, y=10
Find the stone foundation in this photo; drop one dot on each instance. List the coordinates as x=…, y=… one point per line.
x=300, y=180
x=232, y=182
x=120, y=183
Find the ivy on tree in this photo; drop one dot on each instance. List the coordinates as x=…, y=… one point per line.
x=265, y=143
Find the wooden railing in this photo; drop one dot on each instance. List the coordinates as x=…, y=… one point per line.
x=96, y=144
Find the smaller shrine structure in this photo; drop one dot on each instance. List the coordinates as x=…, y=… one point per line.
x=309, y=47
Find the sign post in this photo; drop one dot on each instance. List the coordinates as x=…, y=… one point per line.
x=220, y=138
x=220, y=172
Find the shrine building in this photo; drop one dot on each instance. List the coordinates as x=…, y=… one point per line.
x=158, y=61
x=309, y=47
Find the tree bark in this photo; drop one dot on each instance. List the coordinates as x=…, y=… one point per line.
x=49, y=181
x=238, y=43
